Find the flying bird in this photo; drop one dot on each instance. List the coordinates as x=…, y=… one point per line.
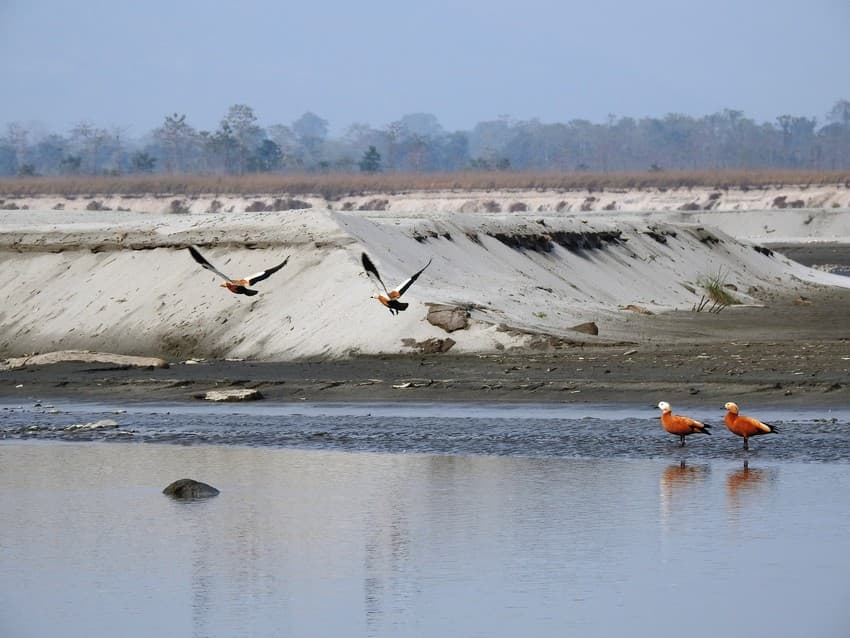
x=391, y=299
x=682, y=426
x=236, y=286
x=745, y=426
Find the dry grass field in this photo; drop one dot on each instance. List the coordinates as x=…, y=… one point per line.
x=336, y=185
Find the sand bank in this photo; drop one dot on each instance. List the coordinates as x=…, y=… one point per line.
x=122, y=282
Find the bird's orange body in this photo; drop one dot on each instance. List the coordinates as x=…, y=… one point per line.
x=391, y=297
x=391, y=300
x=681, y=426
x=745, y=426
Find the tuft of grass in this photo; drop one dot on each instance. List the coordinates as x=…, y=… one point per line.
x=716, y=293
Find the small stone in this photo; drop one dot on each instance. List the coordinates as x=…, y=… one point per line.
x=588, y=327
x=638, y=309
x=189, y=489
x=240, y=394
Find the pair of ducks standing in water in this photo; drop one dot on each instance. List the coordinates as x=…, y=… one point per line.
x=743, y=426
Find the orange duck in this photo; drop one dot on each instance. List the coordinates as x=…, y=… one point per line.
x=745, y=426
x=236, y=286
x=391, y=299
x=681, y=426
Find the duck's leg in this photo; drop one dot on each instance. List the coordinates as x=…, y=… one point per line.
x=681, y=440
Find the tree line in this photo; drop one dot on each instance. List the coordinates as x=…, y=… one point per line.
x=417, y=143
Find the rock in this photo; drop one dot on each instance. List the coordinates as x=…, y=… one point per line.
x=430, y=346
x=105, y=424
x=84, y=356
x=638, y=309
x=588, y=327
x=240, y=394
x=449, y=318
x=189, y=488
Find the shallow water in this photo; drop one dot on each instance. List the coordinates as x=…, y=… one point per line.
x=490, y=529
x=536, y=430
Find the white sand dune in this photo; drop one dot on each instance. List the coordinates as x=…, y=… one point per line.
x=122, y=282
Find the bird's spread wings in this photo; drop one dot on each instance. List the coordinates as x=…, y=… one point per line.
x=266, y=273
x=400, y=290
x=370, y=269
x=201, y=260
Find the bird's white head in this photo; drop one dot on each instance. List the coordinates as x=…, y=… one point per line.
x=731, y=407
x=664, y=406
x=375, y=296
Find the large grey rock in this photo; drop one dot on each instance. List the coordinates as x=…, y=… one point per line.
x=449, y=318
x=189, y=488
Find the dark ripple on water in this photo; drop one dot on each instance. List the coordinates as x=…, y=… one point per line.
x=801, y=439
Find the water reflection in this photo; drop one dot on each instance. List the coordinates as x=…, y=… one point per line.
x=677, y=483
x=313, y=543
x=745, y=485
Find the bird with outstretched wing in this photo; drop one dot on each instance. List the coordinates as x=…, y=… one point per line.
x=391, y=297
x=236, y=286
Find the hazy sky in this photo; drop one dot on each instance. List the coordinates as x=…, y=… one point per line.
x=129, y=64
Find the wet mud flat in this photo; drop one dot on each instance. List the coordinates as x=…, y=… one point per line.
x=754, y=373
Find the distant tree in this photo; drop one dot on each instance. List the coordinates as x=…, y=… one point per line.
x=176, y=138
x=311, y=132
x=394, y=134
x=71, y=164
x=266, y=158
x=48, y=154
x=27, y=170
x=16, y=137
x=453, y=151
x=89, y=141
x=142, y=162
x=8, y=163
x=222, y=147
x=840, y=114
x=310, y=125
x=421, y=124
x=241, y=124
x=371, y=162
x=287, y=142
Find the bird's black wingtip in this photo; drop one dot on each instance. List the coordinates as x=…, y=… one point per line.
x=195, y=254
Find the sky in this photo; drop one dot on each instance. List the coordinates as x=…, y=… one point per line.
x=129, y=64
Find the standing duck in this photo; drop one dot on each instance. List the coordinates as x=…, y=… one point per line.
x=745, y=426
x=681, y=426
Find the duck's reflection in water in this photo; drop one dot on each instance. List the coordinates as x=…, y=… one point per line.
x=676, y=482
x=744, y=485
